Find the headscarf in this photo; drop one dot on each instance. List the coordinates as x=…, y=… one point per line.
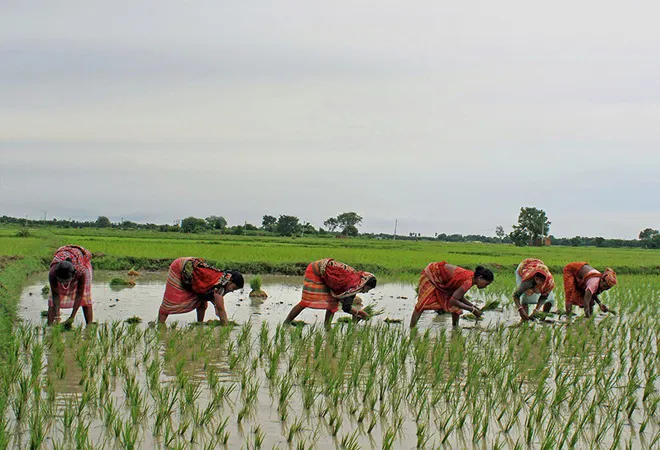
x=609, y=277
x=532, y=266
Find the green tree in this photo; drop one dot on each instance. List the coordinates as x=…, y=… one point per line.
x=269, y=223
x=103, y=222
x=288, y=225
x=499, y=232
x=576, y=241
x=193, y=225
x=650, y=238
x=331, y=224
x=216, y=222
x=533, y=225
x=647, y=234
x=308, y=228
x=348, y=222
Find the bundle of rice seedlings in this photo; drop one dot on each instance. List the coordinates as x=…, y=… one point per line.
x=256, y=292
x=388, y=320
x=371, y=310
x=120, y=282
x=491, y=305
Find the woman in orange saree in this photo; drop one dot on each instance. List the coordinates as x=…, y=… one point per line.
x=583, y=284
x=442, y=287
x=191, y=284
x=328, y=283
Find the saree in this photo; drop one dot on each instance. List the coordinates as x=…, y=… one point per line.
x=575, y=287
x=437, y=286
x=328, y=281
x=81, y=258
x=189, y=283
x=528, y=270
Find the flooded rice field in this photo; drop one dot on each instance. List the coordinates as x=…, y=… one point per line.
x=143, y=300
x=491, y=384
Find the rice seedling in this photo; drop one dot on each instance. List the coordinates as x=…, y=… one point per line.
x=121, y=282
x=133, y=320
x=258, y=437
x=221, y=431
x=372, y=310
x=81, y=435
x=295, y=428
x=129, y=435
x=350, y=441
x=37, y=428
x=388, y=439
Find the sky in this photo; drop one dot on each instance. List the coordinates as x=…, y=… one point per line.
x=445, y=116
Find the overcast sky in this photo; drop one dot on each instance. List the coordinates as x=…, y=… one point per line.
x=448, y=116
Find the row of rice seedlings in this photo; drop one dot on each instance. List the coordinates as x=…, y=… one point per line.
x=359, y=370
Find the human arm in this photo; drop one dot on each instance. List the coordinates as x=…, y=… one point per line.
x=524, y=286
x=347, y=307
x=602, y=305
x=458, y=301
x=587, y=303
x=55, y=293
x=219, y=304
x=541, y=302
x=80, y=291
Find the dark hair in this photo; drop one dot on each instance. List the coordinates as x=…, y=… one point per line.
x=64, y=270
x=484, y=273
x=237, y=278
x=371, y=282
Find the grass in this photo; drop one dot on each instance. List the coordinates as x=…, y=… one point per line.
x=124, y=250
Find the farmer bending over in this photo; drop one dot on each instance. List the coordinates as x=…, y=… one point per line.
x=534, y=287
x=191, y=283
x=583, y=284
x=442, y=287
x=328, y=283
x=70, y=279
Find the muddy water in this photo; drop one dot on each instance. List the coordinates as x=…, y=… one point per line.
x=143, y=300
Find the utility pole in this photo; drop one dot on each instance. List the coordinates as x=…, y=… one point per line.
x=395, y=223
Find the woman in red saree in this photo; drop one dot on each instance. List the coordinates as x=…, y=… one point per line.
x=327, y=284
x=70, y=279
x=191, y=284
x=442, y=287
x=583, y=284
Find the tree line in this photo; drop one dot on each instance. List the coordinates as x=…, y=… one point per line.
x=532, y=229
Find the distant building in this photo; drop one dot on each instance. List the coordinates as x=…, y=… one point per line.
x=542, y=242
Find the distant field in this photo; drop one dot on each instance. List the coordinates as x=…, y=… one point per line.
x=391, y=257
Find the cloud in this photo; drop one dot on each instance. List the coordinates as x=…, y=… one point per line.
x=448, y=116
